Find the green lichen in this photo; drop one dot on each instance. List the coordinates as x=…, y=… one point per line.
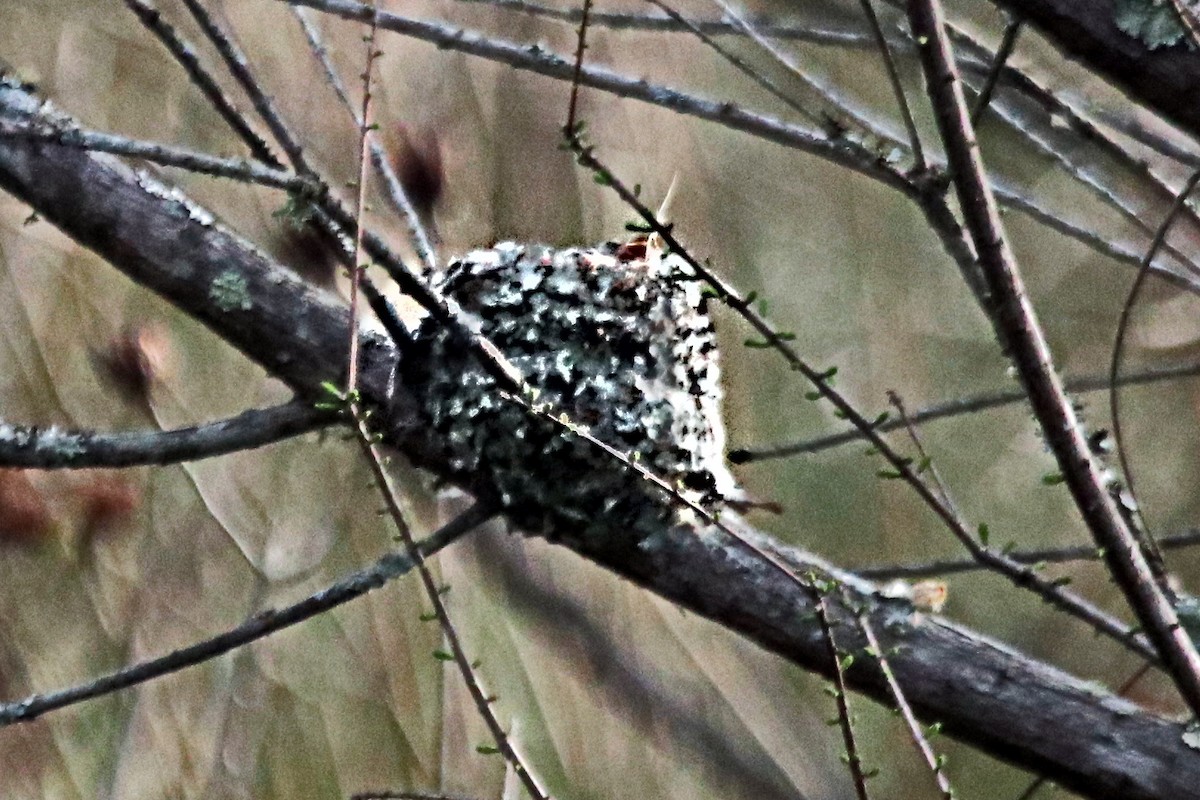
x=1154, y=22
x=230, y=291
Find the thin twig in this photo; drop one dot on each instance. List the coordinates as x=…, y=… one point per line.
x=959, y=407
x=1021, y=336
x=818, y=592
x=739, y=64
x=55, y=448
x=714, y=27
x=889, y=63
x=838, y=109
x=580, y=46
x=932, y=759
x=1049, y=555
x=1153, y=554
x=364, y=138
x=925, y=463
x=1092, y=238
x=185, y=54
x=394, y=190
x=1007, y=42
x=1125, y=120
x=262, y=624
x=483, y=701
x=239, y=67
x=194, y=161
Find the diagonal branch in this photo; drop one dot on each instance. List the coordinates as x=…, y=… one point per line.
x=1167, y=79
x=1021, y=335
x=985, y=694
x=262, y=624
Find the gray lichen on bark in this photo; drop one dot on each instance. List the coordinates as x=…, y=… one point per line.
x=615, y=338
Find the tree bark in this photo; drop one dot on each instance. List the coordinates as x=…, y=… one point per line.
x=1166, y=79
x=985, y=694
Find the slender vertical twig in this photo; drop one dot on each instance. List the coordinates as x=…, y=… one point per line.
x=1021, y=335
x=580, y=46
x=932, y=759
x=483, y=701
x=818, y=591
x=889, y=63
x=926, y=461
x=1154, y=554
x=365, y=127
x=394, y=189
x=1007, y=42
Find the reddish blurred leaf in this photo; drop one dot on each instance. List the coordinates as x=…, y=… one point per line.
x=24, y=515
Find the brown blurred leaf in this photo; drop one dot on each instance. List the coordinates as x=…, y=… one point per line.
x=106, y=501
x=416, y=156
x=24, y=514
x=136, y=359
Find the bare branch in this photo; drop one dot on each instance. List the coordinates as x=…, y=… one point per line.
x=1007, y=42
x=815, y=34
x=357, y=267
x=889, y=63
x=483, y=701
x=950, y=566
x=838, y=660
x=237, y=168
x=1166, y=79
x=960, y=406
x=184, y=53
x=264, y=623
x=740, y=65
x=985, y=694
x=1022, y=337
x=54, y=448
x=394, y=189
x=1118, y=351
x=932, y=760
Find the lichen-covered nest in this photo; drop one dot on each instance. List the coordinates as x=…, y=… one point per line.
x=617, y=338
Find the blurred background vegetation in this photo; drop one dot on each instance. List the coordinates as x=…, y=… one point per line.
x=610, y=692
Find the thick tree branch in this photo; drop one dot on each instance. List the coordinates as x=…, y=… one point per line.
x=984, y=693
x=1166, y=79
